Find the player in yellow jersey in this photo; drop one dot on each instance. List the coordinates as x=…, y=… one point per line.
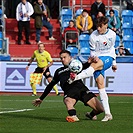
x=44, y=61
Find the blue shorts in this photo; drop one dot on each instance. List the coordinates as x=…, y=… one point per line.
x=107, y=63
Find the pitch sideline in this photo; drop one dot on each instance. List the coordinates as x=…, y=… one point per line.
x=14, y=111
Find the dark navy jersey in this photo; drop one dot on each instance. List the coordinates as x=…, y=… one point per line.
x=62, y=75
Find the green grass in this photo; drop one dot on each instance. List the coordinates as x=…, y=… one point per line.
x=50, y=116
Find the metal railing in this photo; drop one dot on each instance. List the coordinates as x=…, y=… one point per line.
x=5, y=41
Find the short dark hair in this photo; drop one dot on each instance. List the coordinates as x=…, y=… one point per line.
x=112, y=11
x=65, y=51
x=85, y=11
x=101, y=20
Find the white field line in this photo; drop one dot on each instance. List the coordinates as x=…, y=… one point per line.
x=14, y=111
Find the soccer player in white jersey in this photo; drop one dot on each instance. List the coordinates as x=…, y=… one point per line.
x=102, y=56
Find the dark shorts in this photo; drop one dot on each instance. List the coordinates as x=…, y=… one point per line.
x=40, y=70
x=79, y=92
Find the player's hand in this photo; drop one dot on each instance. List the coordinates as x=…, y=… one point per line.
x=95, y=59
x=114, y=68
x=27, y=68
x=37, y=102
x=44, y=69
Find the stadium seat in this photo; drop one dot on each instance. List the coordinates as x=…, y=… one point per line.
x=78, y=12
x=1, y=37
x=66, y=15
x=85, y=51
x=127, y=29
x=115, y=10
x=64, y=25
x=73, y=50
x=84, y=40
x=127, y=16
x=117, y=41
x=128, y=42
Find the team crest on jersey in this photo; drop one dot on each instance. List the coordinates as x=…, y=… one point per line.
x=105, y=43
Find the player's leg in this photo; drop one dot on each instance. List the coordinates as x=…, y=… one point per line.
x=33, y=86
x=70, y=102
x=97, y=107
x=104, y=97
x=49, y=79
x=90, y=70
x=99, y=77
x=89, y=98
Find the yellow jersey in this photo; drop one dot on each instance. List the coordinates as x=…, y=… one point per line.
x=42, y=58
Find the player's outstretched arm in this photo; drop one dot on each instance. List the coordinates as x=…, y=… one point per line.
x=37, y=102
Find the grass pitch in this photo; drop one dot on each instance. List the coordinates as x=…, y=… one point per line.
x=17, y=115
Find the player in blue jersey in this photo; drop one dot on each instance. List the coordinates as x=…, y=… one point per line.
x=102, y=56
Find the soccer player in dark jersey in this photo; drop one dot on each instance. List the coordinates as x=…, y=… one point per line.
x=72, y=92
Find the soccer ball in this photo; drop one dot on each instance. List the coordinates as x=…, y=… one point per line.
x=75, y=66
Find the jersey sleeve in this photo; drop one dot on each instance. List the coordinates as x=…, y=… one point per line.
x=86, y=65
x=50, y=86
x=49, y=59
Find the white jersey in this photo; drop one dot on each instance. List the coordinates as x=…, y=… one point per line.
x=103, y=44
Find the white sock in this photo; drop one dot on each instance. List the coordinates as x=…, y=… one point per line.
x=104, y=100
x=85, y=73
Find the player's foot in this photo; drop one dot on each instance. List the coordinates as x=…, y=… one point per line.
x=90, y=117
x=58, y=94
x=107, y=117
x=34, y=95
x=73, y=118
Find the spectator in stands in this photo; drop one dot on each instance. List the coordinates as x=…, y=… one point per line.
x=123, y=51
x=100, y=14
x=128, y=4
x=23, y=12
x=84, y=22
x=114, y=22
x=42, y=18
x=70, y=34
x=97, y=7
x=53, y=6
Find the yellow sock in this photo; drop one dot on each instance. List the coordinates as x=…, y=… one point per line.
x=33, y=86
x=56, y=89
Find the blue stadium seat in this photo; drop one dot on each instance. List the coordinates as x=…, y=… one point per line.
x=66, y=15
x=115, y=10
x=73, y=50
x=78, y=12
x=64, y=25
x=128, y=42
x=127, y=16
x=84, y=40
x=117, y=41
x=85, y=51
x=0, y=13
x=1, y=37
x=127, y=29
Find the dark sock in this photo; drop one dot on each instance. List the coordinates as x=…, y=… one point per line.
x=72, y=112
x=92, y=114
